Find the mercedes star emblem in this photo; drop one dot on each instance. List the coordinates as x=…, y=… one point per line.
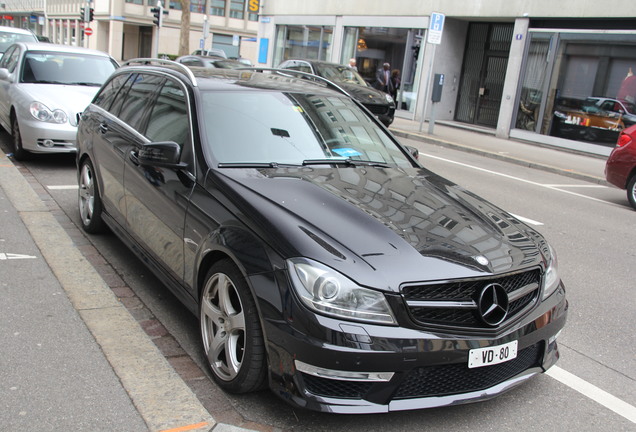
x=493, y=304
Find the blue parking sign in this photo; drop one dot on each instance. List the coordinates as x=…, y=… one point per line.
x=435, y=28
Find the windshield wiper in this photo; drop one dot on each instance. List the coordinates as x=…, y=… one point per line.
x=254, y=165
x=347, y=162
x=85, y=83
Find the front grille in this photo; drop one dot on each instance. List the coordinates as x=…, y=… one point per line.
x=458, y=378
x=336, y=388
x=454, y=303
x=378, y=109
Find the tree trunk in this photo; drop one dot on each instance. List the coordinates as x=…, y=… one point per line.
x=184, y=38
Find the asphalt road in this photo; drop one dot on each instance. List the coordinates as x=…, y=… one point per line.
x=593, y=386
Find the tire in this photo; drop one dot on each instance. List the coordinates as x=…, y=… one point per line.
x=19, y=153
x=631, y=191
x=231, y=331
x=89, y=201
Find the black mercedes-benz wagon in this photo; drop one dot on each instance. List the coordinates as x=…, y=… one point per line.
x=322, y=259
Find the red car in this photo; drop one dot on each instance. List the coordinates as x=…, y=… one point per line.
x=620, y=169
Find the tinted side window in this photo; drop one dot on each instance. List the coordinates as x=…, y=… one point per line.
x=169, y=118
x=10, y=59
x=105, y=98
x=138, y=98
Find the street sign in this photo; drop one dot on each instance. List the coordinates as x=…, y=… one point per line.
x=88, y=31
x=435, y=28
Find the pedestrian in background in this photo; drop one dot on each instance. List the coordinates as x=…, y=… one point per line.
x=395, y=82
x=383, y=79
x=352, y=64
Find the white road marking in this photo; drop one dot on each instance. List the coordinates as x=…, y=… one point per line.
x=591, y=186
x=12, y=256
x=63, y=187
x=602, y=397
x=517, y=178
x=527, y=220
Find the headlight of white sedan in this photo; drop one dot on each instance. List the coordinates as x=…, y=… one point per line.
x=41, y=112
x=326, y=291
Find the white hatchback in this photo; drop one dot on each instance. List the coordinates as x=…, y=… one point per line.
x=43, y=88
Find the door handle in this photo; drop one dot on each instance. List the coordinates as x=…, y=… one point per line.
x=134, y=158
x=103, y=128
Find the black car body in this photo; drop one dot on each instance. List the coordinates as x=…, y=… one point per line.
x=322, y=259
x=379, y=103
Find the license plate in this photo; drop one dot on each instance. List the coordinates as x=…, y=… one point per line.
x=479, y=357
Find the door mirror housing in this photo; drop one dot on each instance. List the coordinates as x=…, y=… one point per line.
x=166, y=154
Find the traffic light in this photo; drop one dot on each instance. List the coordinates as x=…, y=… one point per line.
x=158, y=15
x=82, y=14
x=91, y=15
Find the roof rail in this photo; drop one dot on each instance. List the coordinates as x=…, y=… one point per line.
x=162, y=62
x=288, y=72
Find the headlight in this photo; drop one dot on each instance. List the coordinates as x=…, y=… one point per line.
x=551, y=280
x=43, y=113
x=389, y=98
x=326, y=291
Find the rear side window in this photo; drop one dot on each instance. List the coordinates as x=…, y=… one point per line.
x=105, y=98
x=139, y=96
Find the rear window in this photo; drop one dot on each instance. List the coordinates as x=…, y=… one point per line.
x=8, y=38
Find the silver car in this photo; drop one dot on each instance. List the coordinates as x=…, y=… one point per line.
x=42, y=89
x=11, y=35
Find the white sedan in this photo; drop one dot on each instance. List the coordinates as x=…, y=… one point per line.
x=43, y=88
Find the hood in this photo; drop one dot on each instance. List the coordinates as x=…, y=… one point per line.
x=73, y=99
x=403, y=225
x=365, y=95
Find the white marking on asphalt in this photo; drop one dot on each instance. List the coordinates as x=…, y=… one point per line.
x=63, y=187
x=609, y=401
x=527, y=220
x=577, y=186
x=517, y=178
x=12, y=256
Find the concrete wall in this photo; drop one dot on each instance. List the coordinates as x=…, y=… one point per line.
x=456, y=8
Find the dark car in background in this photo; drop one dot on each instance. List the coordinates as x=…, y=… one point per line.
x=620, y=168
x=379, y=103
x=320, y=257
x=210, y=62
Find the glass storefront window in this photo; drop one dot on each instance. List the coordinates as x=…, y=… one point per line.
x=303, y=42
x=579, y=86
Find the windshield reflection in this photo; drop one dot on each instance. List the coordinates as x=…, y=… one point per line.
x=291, y=128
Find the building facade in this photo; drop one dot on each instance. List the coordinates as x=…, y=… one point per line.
x=523, y=69
x=125, y=29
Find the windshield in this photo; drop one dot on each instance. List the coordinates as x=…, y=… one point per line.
x=9, y=38
x=66, y=68
x=251, y=127
x=338, y=73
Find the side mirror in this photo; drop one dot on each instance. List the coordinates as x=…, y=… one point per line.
x=414, y=152
x=161, y=154
x=4, y=74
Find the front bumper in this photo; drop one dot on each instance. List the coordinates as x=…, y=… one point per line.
x=43, y=137
x=333, y=366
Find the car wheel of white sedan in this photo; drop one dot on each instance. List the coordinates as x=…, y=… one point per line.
x=231, y=330
x=18, y=152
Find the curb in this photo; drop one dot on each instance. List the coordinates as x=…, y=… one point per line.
x=161, y=397
x=516, y=161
